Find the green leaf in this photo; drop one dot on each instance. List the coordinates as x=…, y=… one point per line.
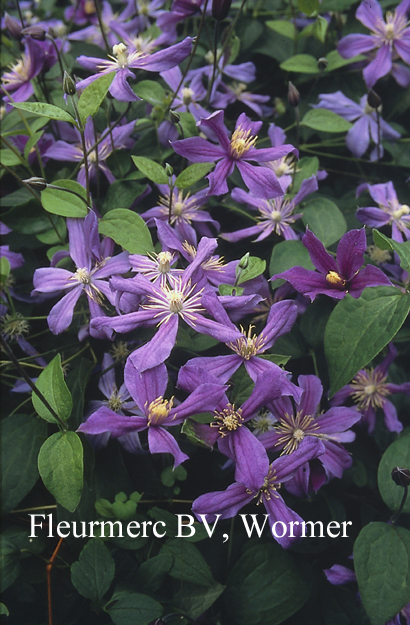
x=358, y=329
x=9, y=158
x=396, y=455
x=283, y=27
x=93, y=573
x=77, y=381
x=195, y=600
x=150, y=91
x=242, y=386
x=314, y=320
x=152, y=572
x=188, y=564
x=230, y=289
x=255, y=267
x=192, y=174
x=133, y=608
x=381, y=561
x=151, y=169
x=326, y=221
x=287, y=254
x=302, y=63
x=50, y=237
x=65, y=203
x=60, y=464
x=4, y=270
x=325, y=121
x=319, y=28
x=32, y=142
x=51, y=384
x=9, y=562
x=22, y=437
x=127, y=229
x=93, y=96
x=3, y=610
x=402, y=249
x=335, y=60
x=306, y=167
x=188, y=125
x=266, y=585
x=45, y=110
x=122, y=193
x=308, y=7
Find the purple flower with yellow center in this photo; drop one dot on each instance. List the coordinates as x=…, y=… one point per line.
x=391, y=39
x=305, y=421
x=18, y=79
x=275, y=215
x=338, y=276
x=163, y=307
x=147, y=390
x=157, y=267
x=369, y=390
x=122, y=61
x=237, y=151
x=258, y=480
x=92, y=269
x=389, y=211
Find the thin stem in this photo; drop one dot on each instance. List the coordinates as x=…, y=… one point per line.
x=101, y=25
x=60, y=61
x=215, y=63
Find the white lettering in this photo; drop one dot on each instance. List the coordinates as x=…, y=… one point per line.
x=33, y=524
x=182, y=525
x=255, y=524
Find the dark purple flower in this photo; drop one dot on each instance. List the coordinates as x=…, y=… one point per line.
x=369, y=389
x=391, y=39
x=238, y=150
x=335, y=277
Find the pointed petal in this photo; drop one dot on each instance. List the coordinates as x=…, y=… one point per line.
x=160, y=441
x=145, y=387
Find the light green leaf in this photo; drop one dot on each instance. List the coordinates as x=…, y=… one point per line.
x=308, y=7
x=22, y=437
x=133, y=608
x=381, y=560
x=288, y=254
x=396, y=455
x=45, y=110
x=402, y=249
x=150, y=91
x=65, y=203
x=255, y=267
x=229, y=289
x=9, y=158
x=192, y=174
x=358, y=329
x=3, y=610
x=93, y=96
x=325, y=121
x=335, y=60
x=283, y=27
x=94, y=571
x=51, y=384
x=4, y=270
x=326, y=221
x=151, y=169
x=60, y=464
x=127, y=229
x=32, y=142
x=303, y=63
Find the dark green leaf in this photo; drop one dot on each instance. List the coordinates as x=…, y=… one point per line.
x=192, y=174
x=287, y=254
x=65, y=203
x=325, y=121
x=93, y=573
x=127, y=229
x=242, y=386
x=152, y=572
x=50, y=237
x=122, y=193
x=402, y=249
x=188, y=563
x=9, y=562
x=326, y=221
x=77, y=381
x=93, y=96
x=195, y=600
x=151, y=169
x=60, y=464
x=45, y=110
x=358, y=329
x=32, y=142
x=381, y=561
x=133, y=608
x=22, y=437
x=302, y=63
x=51, y=384
x=396, y=455
x=150, y=91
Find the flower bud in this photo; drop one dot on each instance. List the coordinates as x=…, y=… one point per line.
x=373, y=100
x=244, y=262
x=36, y=183
x=36, y=32
x=174, y=117
x=169, y=170
x=293, y=95
x=322, y=63
x=401, y=477
x=220, y=9
x=69, y=84
x=13, y=26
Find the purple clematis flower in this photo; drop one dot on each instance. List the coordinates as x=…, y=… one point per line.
x=369, y=389
x=115, y=139
x=147, y=390
x=295, y=425
x=366, y=124
x=390, y=211
x=238, y=150
x=275, y=215
x=335, y=277
x=92, y=269
x=18, y=79
x=257, y=479
x=15, y=259
x=123, y=61
x=391, y=39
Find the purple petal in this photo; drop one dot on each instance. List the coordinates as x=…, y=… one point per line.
x=370, y=14
x=373, y=217
x=390, y=417
x=279, y=511
x=217, y=178
x=312, y=394
x=261, y=181
x=227, y=503
x=339, y=574
x=61, y=315
x=160, y=441
x=198, y=150
x=164, y=59
x=321, y=259
x=252, y=463
x=369, y=276
x=357, y=138
x=403, y=48
x=286, y=466
x=379, y=67
x=215, y=123
x=120, y=89
x=145, y=387
x=281, y=318
x=350, y=252
x=352, y=45
x=337, y=419
x=157, y=350
x=213, y=328
x=105, y=420
x=221, y=367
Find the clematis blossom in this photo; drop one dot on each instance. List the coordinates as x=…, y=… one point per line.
x=389, y=211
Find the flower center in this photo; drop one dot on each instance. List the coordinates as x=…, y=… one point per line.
x=241, y=142
x=164, y=259
x=89, y=7
x=119, y=351
x=293, y=430
x=187, y=95
x=264, y=422
x=276, y=216
x=403, y=210
x=120, y=54
x=115, y=402
x=377, y=255
x=249, y=345
x=369, y=389
x=334, y=278
x=158, y=410
x=227, y=420
x=176, y=301
x=269, y=487
x=389, y=27
x=83, y=275
x=14, y=325
x=143, y=7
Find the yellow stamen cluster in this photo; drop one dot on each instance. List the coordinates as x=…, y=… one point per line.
x=377, y=255
x=187, y=94
x=334, y=278
x=115, y=402
x=241, y=142
x=403, y=210
x=269, y=487
x=119, y=351
x=294, y=429
x=120, y=54
x=14, y=325
x=164, y=262
x=83, y=275
x=158, y=410
x=369, y=389
x=227, y=420
x=249, y=345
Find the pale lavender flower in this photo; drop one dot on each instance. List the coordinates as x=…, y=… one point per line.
x=389, y=211
x=366, y=126
x=391, y=39
x=18, y=79
x=116, y=25
x=15, y=259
